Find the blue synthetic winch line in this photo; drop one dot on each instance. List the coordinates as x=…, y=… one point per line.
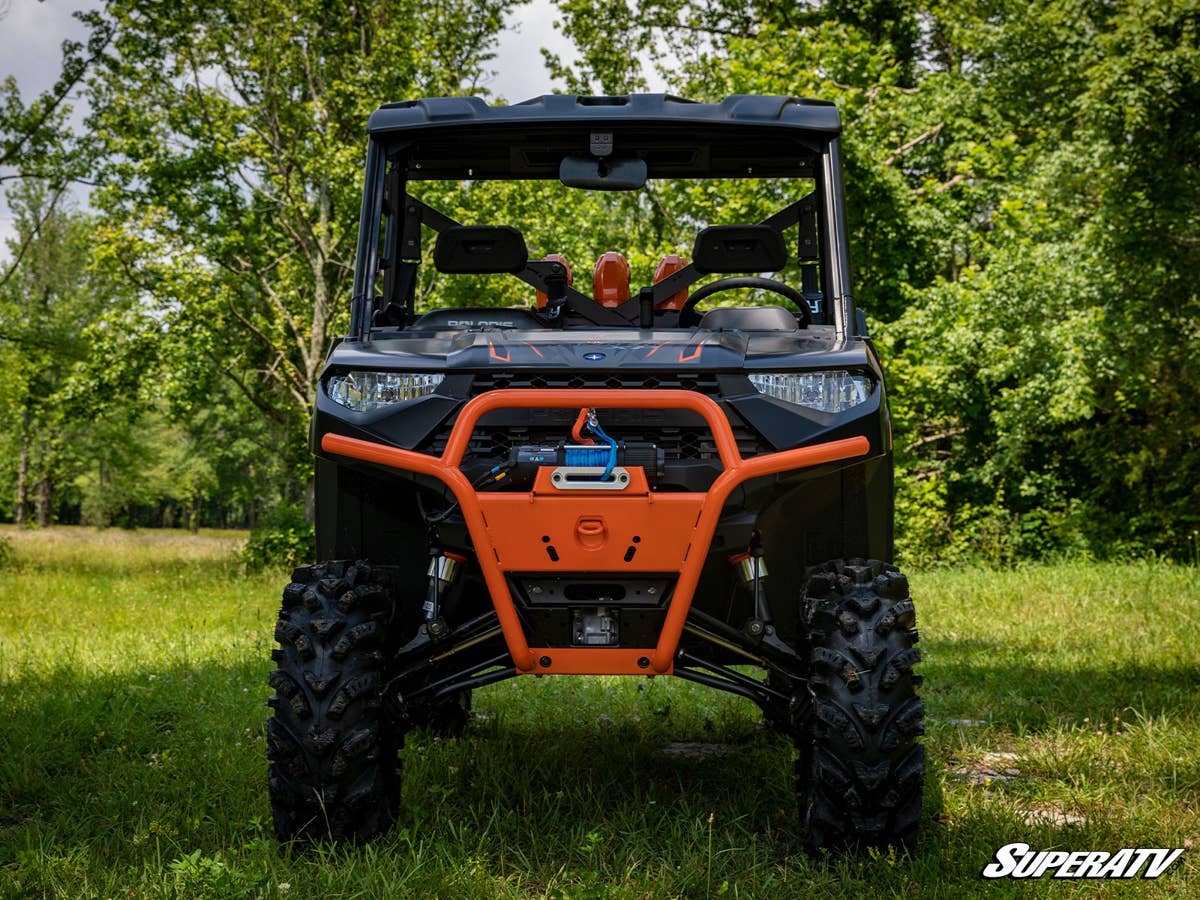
x=587, y=456
x=595, y=428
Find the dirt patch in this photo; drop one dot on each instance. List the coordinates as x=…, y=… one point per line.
x=990, y=768
x=1048, y=815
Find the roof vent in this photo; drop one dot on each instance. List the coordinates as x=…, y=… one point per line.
x=603, y=101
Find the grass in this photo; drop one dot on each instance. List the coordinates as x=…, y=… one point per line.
x=1061, y=704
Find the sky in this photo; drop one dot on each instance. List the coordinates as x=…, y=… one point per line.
x=32, y=32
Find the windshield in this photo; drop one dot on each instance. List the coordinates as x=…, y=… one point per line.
x=645, y=226
x=629, y=251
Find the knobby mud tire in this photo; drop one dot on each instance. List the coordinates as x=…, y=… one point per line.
x=333, y=772
x=860, y=771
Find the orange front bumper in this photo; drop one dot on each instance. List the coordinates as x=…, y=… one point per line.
x=633, y=530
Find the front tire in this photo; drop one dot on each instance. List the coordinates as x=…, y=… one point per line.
x=861, y=769
x=333, y=766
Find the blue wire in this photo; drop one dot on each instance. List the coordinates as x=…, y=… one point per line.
x=612, y=449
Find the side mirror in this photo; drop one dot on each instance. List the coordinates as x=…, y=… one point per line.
x=480, y=250
x=602, y=174
x=739, y=248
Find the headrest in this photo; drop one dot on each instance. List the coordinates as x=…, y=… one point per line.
x=610, y=279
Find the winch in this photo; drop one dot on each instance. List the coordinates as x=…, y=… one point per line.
x=524, y=461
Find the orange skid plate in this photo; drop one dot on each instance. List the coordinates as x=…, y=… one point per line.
x=632, y=530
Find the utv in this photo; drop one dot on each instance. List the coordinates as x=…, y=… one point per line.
x=518, y=478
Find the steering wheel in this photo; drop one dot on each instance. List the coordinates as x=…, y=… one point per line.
x=688, y=315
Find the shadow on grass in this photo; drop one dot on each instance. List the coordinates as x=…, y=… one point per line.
x=175, y=757
x=977, y=680
x=554, y=776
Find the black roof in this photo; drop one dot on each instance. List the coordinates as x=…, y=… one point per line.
x=789, y=114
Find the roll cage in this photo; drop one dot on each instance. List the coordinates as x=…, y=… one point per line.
x=465, y=139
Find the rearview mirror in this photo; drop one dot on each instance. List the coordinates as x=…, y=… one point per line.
x=739, y=248
x=480, y=250
x=602, y=174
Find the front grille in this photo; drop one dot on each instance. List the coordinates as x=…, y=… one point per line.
x=681, y=434
x=677, y=442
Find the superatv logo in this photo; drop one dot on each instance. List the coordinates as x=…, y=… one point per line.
x=1018, y=861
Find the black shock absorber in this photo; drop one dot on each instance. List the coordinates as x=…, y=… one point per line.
x=443, y=570
x=752, y=572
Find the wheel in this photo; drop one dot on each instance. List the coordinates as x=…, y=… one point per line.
x=860, y=769
x=332, y=751
x=689, y=316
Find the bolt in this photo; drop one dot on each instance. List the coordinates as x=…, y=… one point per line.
x=544, y=662
x=536, y=589
x=643, y=662
x=756, y=627
x=651, y=591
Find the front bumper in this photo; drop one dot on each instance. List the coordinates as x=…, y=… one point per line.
x=592, y=531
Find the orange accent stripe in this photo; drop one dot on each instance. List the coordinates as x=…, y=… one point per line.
x=656, y=349
x=736, y=470
x=696, y=355
x=494, y=355
x=534, y=349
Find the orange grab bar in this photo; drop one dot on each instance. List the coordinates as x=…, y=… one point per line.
x=595, y=660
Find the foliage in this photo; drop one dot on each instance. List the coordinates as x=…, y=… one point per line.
x=1022, y=194
x=283, y=539
x=47, y=310
x=34, y=141
x=232, y=184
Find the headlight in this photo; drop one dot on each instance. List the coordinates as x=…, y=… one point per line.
x=830, y=392
x=367, y=391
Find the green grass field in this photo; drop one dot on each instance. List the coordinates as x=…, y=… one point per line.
x=1062, y=704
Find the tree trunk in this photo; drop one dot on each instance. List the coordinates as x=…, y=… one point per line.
x=45, y=497
x=23, y=472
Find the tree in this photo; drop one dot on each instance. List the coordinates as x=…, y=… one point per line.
x=34, y=140
x=232, y=138
x=46, y=308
